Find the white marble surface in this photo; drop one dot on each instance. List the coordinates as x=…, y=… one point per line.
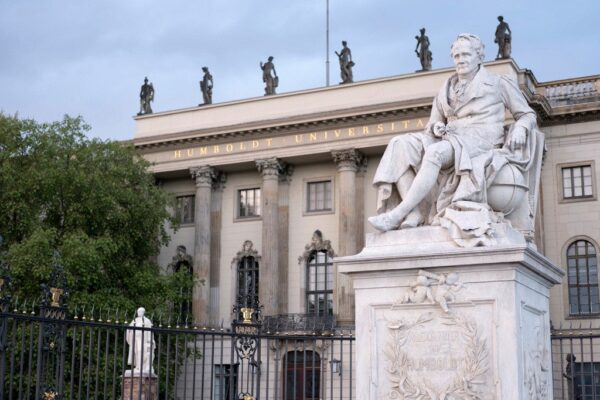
x=494, y=340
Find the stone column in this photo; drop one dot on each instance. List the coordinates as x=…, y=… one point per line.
x=204, y=177
x=347, y=165
x=268, y=292
x=360, y=203
x=284, y=221
x=215, y=246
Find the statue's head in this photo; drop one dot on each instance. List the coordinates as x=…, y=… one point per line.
x=317, y=237
x=422, y=30
x=500, y=18
x=205, y=69
x=344, y=43
x=141, y=311
x=181, y=250
x=247, y=246
x=270, y=58
x=467, y=51
x=146, y=80
x=571, y=357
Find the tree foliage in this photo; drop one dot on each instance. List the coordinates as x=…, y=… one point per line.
x=95, y=202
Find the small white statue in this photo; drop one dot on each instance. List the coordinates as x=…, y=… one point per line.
x=141, y=344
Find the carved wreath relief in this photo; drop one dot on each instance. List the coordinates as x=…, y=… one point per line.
x=438, y=355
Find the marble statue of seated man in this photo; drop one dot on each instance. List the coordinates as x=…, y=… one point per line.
x=441, y=176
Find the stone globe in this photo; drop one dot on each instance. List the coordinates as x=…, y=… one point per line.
x=508, y=189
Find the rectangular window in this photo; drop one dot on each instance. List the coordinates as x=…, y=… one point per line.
x=577, y=182
x=319, y=285
x=248, y=203
x=318, y=196
x=586, y=380
x=185, y=209
x=225, y=382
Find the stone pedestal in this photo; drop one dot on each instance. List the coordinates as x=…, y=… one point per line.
x=434, y=321
x=139, y=386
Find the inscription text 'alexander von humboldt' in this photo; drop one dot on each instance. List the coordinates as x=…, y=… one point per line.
x=299, y=139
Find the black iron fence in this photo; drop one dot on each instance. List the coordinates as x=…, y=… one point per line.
x=576, y=364
x=47, y=353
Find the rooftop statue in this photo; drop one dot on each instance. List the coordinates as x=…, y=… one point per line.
x=423, y=51
x=346, y=63
x=146, y=97
x=466, y=171
x=206, y=86
x=503, y=37
x=271, y=80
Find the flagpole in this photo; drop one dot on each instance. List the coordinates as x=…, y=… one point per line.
x=327, y=43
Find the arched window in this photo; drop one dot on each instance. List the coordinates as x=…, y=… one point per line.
x=302, y=380
x=318, y=259
x=582, y=271
x=247, y=272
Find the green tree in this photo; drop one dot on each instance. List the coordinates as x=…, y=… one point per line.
x=96, y=203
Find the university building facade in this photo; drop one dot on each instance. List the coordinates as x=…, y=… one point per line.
x=285, y=182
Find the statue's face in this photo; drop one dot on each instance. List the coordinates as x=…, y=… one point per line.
x=465, y=58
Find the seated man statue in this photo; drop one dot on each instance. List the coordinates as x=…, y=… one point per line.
x=442, y=175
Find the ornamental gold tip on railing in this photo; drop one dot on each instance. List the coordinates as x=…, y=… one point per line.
x=56, y=293
x=247, y=314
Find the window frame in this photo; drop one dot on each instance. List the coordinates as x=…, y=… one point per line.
x=176, y=211
x=237, y=200
x=305, y=197
x=568, y=285
x=561, y=191
x=220, y=370
x=328, y=291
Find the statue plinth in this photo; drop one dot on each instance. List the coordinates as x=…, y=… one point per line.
x=448, y=322
x=140, y=385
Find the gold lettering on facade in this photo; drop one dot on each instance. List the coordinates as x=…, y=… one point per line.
x=298, y=139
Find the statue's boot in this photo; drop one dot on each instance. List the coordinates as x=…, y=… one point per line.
x=419, y=188
x=413, y=219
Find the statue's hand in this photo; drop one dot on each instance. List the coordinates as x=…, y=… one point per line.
x=439, y=129
x=518, y=138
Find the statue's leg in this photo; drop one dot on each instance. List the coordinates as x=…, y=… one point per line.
x=437, y=156
x=415, y=217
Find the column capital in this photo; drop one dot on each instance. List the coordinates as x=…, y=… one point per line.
x=204, y=175
x=348, y=159
x=270, y=167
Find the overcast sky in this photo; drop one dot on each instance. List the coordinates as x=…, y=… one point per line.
x=89, y=58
